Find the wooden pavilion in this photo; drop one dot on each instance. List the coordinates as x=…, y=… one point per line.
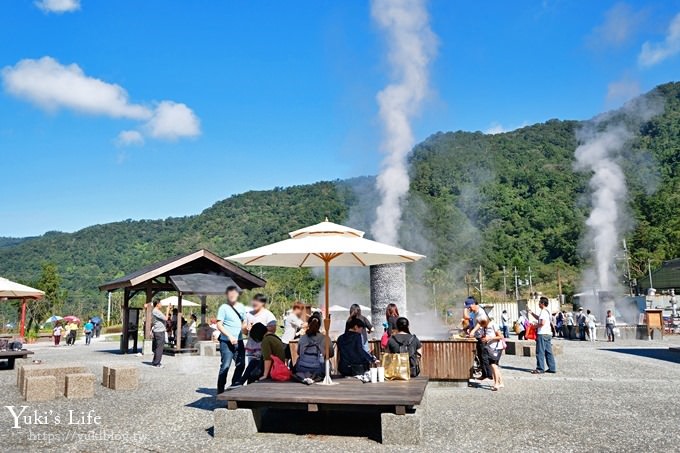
x=199, y=273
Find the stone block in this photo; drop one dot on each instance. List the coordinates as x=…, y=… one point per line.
x=529, y=350
x=123, y=378
x=58, y=371
x=207, y=348
x=147, y=347
x=40, y=388
x=401, y=429
x=516, y=347
x=79, y=385
x=234, y=424
x=106, y=374
x=557, y=348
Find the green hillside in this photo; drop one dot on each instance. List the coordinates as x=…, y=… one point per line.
x=510, y=199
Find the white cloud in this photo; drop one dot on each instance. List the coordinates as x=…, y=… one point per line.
x=653, y=53
x=58, y=6
x=172, y=120
x=51, y=85
x=497, y=128
x=620, y=24
x=621, y=91
x=128, y=138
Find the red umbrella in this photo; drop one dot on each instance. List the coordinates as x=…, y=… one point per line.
x=72, y=318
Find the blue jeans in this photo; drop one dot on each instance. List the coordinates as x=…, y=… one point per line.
x=506, y=333
x=582, y=332
x=544, y=353
x=229, y=352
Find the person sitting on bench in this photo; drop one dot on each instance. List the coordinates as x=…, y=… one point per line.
x=353, y=360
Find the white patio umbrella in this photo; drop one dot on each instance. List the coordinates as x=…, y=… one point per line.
x=333, y=308
x=173, y=300
x=323, y=245
x=14, y=290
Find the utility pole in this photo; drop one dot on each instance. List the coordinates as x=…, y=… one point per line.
x=649, y=270
x=505, y=286
x=481, y=285
x=516, y=286
x=559, y=286
x=531, y=284
x=629, y=277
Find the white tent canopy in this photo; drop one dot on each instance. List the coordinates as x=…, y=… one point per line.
x=172, y=301
x=338, y=308
x=13, y=290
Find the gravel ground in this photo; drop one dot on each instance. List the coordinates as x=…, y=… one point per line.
x=605, y=397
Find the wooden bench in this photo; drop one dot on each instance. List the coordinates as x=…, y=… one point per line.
x=11, y=356
x=395, y=401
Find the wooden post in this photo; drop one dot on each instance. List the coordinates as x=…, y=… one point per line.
x=178, y=328
x=204, y=308
x=147, y=313
x=124, y=337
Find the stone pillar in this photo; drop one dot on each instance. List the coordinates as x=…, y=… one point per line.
x=388, y=286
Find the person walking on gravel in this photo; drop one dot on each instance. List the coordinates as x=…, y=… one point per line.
x=544, y=354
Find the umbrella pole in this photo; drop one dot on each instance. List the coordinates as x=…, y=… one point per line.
x=22, y=327
x=327, y=323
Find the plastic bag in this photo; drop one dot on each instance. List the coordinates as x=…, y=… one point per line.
x=531, y=332
x=397, y=367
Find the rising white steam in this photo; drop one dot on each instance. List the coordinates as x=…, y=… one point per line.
x=599, y=153
x=411, y=46
x=603, y=149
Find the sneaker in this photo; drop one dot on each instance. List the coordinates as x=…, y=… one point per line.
x=160, y=365
x=234, y=386
x=308, y=381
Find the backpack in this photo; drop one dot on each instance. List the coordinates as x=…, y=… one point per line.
x=309, y=358
x=413, y=357
x=279, y=371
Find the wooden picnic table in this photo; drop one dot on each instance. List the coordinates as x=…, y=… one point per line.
x=347, y=394
x=11, y=356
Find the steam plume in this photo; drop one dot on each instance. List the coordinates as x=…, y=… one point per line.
x=598, y=153
x=602, y=151
x=411, y=46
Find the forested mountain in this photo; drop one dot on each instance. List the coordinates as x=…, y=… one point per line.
x=509, y=199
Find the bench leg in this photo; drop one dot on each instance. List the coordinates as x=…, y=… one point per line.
x=401, y=429
x=10, y=363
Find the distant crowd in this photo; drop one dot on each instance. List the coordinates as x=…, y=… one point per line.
x=69, y=330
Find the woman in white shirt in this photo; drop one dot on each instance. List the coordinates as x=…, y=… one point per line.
x=492, y=340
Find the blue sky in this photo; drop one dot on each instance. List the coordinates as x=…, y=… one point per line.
x=223, y=97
